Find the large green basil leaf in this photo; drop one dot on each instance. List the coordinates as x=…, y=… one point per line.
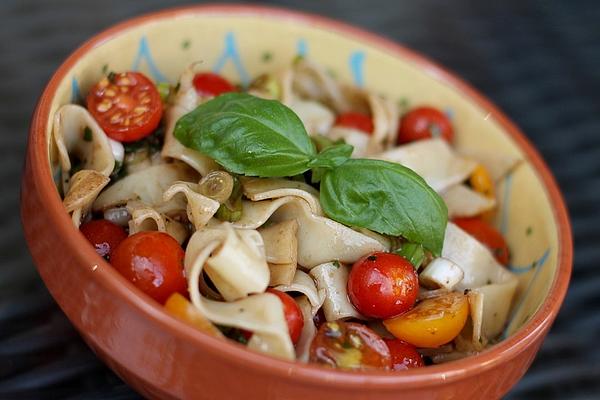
x=386, y=198
x=248, y=135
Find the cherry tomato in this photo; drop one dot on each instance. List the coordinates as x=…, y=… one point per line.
x=404, y=355
x=423, y=123
x=293, y=314
x=180, y=307
x=383, y=285
x=433, y=322
x=360, y=121
x=152, y=261
x=487, y=235
x=126, y=105
x=104, y=235
x=209, y=84
x=349, y=345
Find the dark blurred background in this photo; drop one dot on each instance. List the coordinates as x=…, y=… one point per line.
x=538, y=60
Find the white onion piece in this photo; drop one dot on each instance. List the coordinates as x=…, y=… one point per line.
x=441, y=273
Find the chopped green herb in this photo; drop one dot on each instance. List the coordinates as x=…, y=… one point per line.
x=104, y=69
x=336, y=263
x=118, y=171
x=87, y=134
x=267, y=56
x=186, y=44
x=176, y=89
x=529, y=231
x=403, y=104
x=111, y=77
x=164, y=89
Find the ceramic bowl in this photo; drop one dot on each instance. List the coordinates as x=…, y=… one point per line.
x=162, y=357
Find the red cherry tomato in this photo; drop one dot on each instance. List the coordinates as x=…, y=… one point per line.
x=127, y=106
x=209, y=84
x=152, y=261
x=423, y=123
x=293, y=314
x=104, y=235
x=383, y=285
x=360, y=121
x=404, y=355
x=487, y=235
x=349, y=345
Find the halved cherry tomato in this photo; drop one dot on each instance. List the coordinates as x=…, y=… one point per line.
x=404, y=355
x=209, y=84
x=292, y=312
x=127, y=106
x=180, y=307
x=433, y=322
x=360, y=121
x=152, y=261
x=104, y=235
x=383, y=285
x=349, y=345
x=423, y=123
x=487, y=235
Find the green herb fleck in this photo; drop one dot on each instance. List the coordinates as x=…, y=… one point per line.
x=529, y=231
x=118, y=171
x=111, y=77
x=403, y=104
x=336, y=264
x=186, y=44
x=267, y=56
x=164, y=89
x=87, y=134
x=104, y=69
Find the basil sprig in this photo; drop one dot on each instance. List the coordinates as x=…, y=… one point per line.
x=248, y=135
x=257, y=137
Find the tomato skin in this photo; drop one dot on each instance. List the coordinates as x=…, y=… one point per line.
x=104, y=235
x=181, y=308
x=360, y=121
x=404, y=355
x=433, y=322
x=487, y=235
x=383, y=285
x=349, y=345
x=152, y=261
x=292, y=312
x=209, y=84
x=423, y=123
x=127, y=106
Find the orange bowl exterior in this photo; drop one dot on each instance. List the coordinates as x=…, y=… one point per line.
x=162, y=357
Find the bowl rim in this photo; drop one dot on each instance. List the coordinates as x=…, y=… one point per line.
x=106, y=276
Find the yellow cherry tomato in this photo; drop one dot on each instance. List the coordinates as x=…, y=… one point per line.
x=178, y=306
x=433, y=322
x=481, y=181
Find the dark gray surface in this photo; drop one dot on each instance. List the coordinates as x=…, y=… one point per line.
x=538, y=60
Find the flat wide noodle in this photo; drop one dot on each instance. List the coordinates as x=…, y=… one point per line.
x=145, y=218
x=434, y=160
x=465, y=202
x=309, y=330
x=260, y=313
x=257, y=189
x=200, y=209
x=332, y=278
x=239, y=266
x=320, y=239
x=497, y=163
x=317, y=118
x=304, y=284
x=493, y=285
x=83, y=189
x=281, y=247
x=95, y=151
x=148, y=186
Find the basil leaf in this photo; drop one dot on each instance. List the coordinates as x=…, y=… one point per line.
x=248, y=135
x=332, y=156
x=413, y=252
x=386, y=198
